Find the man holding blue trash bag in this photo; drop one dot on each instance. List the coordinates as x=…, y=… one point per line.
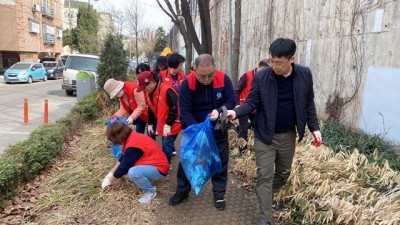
x=203, y=93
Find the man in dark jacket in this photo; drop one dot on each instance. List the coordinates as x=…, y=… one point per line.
x=283, y=98
x=202, y=94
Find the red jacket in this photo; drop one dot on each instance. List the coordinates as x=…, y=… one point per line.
x=160, y=109
x=152, y=153
x=129, y=88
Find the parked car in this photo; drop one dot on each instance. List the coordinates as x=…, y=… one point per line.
x=25, y=72
x=53, y=70
x=74, y=64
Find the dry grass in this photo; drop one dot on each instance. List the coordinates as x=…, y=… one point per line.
x=329, y=188
x=73, y=194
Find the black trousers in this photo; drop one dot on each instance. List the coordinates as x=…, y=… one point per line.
x=218, y=181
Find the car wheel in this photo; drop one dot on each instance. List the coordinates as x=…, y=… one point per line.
x=68, y=92
x=45, y=77
x=30, y=80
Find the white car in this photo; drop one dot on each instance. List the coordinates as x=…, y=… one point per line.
x=74, y=64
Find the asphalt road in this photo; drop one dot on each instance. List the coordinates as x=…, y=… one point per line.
x=12, y=128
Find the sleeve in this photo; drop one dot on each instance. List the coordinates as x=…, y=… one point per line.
x=131, y=156
x=185, y=104
x=172, y=102
x=121, y=112
x=239, y=87
x=152, y=117
x=141, y=104
x=311, y=113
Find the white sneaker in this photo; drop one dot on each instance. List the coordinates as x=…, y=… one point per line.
x=147, y=197
x=174, y=153
x=171, y=167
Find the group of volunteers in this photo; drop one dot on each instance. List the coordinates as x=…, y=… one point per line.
x=277, y=97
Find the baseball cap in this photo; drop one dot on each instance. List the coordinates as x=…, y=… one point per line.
x=144, y=79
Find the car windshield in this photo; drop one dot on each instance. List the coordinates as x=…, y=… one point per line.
x=82, y=63
x=49, y=64
x=20, y=66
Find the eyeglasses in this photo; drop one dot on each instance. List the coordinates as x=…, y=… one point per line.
x=277, y=63
x=204, y=77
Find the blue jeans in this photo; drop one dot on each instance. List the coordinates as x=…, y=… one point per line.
x=143, y=175
x=168, y=146
x=140, y=125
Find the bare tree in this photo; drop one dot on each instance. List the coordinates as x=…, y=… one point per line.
x=134, y=13
x=236, y=41
x=181, y=16
x=148, y=39
x=177, y=19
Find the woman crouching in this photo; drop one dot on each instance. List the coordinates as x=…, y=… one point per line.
x=142, y=159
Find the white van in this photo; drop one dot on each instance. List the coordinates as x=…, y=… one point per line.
x=74, y=64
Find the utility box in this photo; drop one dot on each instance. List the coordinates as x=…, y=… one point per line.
x=85, y=84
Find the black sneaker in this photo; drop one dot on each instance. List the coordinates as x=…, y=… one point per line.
x=220, y=205
x=177, y=199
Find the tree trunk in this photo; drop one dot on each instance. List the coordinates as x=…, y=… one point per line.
x=189, y=25
x=205, y=21
x=236, y=41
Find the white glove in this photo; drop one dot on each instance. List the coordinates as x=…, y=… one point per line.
x=167, y=130
x=150, y=129
x=231, y=114
x=317, y=138
x=214, y=115
x=129, y=120
x=107, y=180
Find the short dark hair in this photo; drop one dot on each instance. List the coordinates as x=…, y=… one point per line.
x=142, y=67
x=118, y=133
x=282, y=47
x=174, y=60
x=263, y=63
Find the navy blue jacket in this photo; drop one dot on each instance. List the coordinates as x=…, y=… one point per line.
x=196, y=105
x=264, y=98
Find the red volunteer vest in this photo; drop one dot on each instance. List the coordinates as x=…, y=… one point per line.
x=160, y=109
x=166, y=77
x=217, y=83
x=129, y=88
x=152, y=153
x=246, y=90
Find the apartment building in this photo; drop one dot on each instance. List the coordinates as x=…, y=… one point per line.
x=30, y=30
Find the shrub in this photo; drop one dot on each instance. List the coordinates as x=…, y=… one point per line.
x=338, y=137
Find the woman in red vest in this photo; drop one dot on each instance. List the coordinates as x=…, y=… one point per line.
x=132, y=103
x=163, y=107
x=142, y=159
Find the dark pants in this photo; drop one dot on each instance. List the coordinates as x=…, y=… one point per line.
x=244, y=125
x=140, y=125
x=218, y=181
x=168, y=146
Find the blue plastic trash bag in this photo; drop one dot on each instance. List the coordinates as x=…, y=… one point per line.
x=199, y=154
x=116, y=149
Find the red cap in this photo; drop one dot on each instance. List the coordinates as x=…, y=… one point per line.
x=144, y=79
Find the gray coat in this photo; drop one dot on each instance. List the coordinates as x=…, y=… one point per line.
x=264, y=98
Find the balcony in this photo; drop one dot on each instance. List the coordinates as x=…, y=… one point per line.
x=49, y=39
x=47, y=12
